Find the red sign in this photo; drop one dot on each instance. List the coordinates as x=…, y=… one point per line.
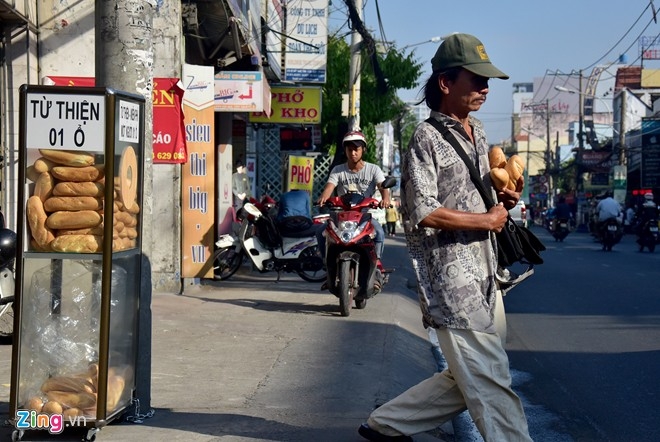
x=169, y=141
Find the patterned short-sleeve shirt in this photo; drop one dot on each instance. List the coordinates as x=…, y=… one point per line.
x=455, y=268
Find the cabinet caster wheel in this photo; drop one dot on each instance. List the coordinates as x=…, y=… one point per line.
x=17, y=435
x=91, y=435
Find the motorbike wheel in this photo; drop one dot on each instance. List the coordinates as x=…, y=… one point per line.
x=6, y=320
x=652, y=248
x=226, y=262
x=360, y=303
x=309, y=275
x=346, y=278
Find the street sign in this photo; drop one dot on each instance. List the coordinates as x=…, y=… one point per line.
x=63, y=121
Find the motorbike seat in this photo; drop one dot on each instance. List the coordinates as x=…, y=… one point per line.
x=303, y=231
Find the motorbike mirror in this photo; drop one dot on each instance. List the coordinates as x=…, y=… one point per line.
x=390, y=181
x=252, y=209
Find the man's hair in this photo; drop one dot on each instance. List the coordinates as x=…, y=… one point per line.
x=432, y=92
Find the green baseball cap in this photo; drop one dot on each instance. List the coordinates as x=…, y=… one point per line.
x=466, y=51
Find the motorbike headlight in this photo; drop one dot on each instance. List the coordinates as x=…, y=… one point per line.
x=347, y=230
x=347, y=225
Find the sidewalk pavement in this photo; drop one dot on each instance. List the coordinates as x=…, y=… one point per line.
x=227, y=355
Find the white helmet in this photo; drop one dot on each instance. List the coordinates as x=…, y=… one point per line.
x=354, y=137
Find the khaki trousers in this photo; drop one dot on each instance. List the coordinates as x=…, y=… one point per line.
x=478, y=379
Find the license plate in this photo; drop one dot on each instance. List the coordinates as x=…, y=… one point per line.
x=653, y=229
x=611, y=228
x=563, y=225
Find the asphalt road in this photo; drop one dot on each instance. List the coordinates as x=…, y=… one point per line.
x=586, y=330
x=249, y=359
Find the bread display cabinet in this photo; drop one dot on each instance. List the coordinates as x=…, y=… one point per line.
x=78, y=266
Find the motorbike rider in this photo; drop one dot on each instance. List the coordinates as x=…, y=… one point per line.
x=647, y=211
x=606, y=209
x=357, y=175
x=562, y=209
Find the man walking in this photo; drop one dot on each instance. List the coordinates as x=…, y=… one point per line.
x=450, y=237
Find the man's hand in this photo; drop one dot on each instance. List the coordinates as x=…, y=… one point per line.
x=510, y=197
x=498, y=216
x=384, y=204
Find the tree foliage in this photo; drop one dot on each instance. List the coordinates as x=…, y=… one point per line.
x=400, y=70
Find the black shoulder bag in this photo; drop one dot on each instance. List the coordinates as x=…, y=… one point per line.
x=515, y=244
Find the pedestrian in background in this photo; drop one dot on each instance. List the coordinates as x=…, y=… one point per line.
x=391, y=217
x=450, y=239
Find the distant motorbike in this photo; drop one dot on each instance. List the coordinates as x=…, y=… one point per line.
x=355, y=274
x=610, y=233
x=259, y=239
x=7, y=258
x=560, y=228
x=647, y=235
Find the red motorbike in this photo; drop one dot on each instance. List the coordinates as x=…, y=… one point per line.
x=355, y=274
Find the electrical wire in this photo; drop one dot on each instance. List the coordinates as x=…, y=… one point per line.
x=622, y=37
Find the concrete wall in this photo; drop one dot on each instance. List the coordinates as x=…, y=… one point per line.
x=20, y=68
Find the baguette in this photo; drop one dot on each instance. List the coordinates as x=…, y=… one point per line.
x=499, y=177
x=43, y=165
x=67, y=383
x=134, y=209
x=52, y=407
x=73, y=158
x=97, y=230
x=77, y=174
x=77, y=244
x=496, y=157
x=38, y=220
x=515, y=168
x=32, y=174
x=72, y=400
x=85, y=188
x=73, y=220
x=116, y=386
x=72, y=203
x=44, y=185
x=34, y=403
x=126, y=218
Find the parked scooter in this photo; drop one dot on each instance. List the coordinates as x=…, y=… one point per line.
x=560, y=229
x=7, y=258
x=610, y=233
x=259, y=238
x=647, y=235
x=355, y=274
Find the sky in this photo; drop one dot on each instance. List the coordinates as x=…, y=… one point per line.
x=525, y=39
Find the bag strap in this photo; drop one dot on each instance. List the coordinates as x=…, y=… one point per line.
x=474, y=174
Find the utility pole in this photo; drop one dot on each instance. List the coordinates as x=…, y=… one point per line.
x=622, y=128
x=548, y=162
x=579, y=188
x=124, y=61
x=354, y=75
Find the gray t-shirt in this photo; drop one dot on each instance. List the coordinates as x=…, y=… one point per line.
x=364, y=181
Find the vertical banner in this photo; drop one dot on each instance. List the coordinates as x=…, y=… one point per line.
x=198, y=174
x=169, y=143
x=226, y=213
x=300, y=175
